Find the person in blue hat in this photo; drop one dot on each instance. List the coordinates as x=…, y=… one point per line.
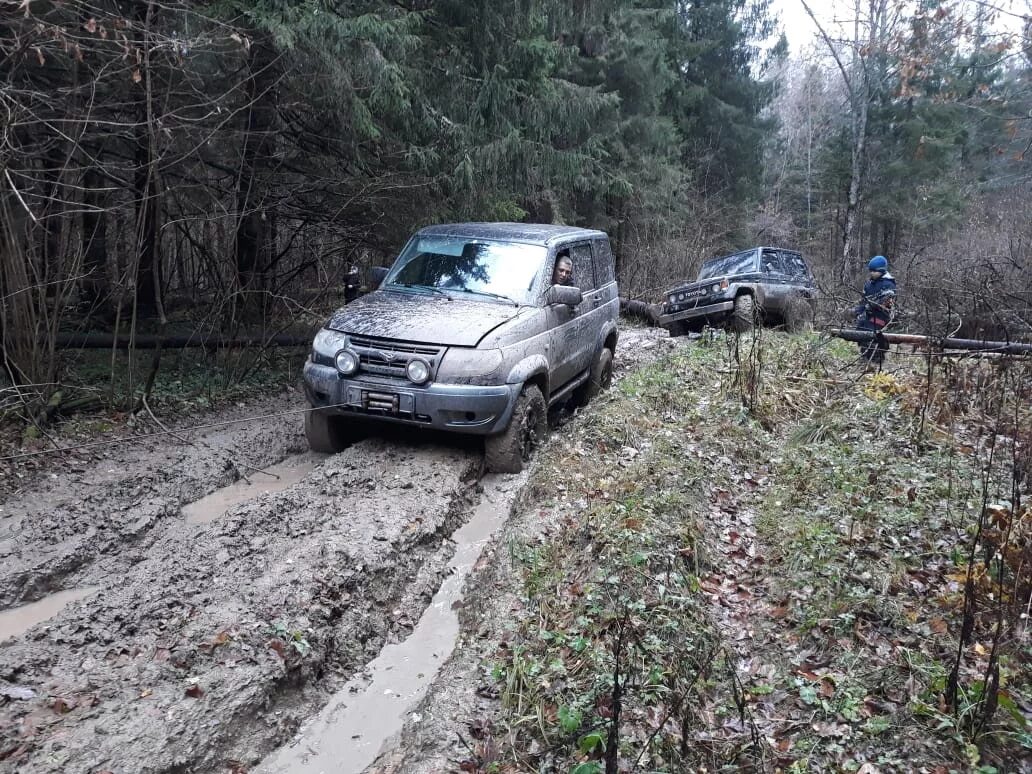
x=876, y=310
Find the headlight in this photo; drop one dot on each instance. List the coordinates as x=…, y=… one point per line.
x=461, y=363
x=329, y=343
x=347, y=362
x=715, y=287
x=418, y=371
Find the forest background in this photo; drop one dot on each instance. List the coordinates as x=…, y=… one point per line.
x=214, y=169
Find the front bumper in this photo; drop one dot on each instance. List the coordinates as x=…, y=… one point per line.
x=459, y=408
x=709, y=311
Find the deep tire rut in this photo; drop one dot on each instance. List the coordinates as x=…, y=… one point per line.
x=215, y=640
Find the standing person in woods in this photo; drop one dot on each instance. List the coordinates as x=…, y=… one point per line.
x=876, y=310
x=352, y=284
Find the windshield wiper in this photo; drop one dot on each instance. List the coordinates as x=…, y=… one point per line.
x=511, y=300
x=423, y=287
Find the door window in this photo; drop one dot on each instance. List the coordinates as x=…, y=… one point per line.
x=770, y=262
x=583, y=269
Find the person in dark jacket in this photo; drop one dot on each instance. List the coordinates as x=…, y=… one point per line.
x=876, y=310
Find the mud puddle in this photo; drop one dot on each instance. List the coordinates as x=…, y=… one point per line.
x=274, y=478
x=363, y=717
x=19, y=620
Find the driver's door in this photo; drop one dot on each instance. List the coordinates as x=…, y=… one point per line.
x=569, y=354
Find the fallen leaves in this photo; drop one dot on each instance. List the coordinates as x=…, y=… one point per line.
x=279, y=647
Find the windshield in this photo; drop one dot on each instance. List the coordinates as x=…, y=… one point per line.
x=464, y=265
x=739, y=263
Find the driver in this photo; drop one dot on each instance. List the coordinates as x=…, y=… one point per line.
x=563, y=274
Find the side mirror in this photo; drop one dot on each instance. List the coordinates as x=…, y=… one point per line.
x=563, y=294
x=377, y=275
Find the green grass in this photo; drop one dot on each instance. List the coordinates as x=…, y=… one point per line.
x=863, y=517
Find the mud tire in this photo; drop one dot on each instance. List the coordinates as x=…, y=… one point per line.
x=743, y=317
x=676, y=329
x=511, y=449
x=329, y=434
x=600, y=378
x=799, y=315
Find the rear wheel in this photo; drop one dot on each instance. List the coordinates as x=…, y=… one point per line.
x=328, y=433
x=600, y=378
x=744, y=315
x=511, y=449
x=798, y=315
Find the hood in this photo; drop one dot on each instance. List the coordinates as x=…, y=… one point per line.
x=749, y=276
x=426, y=318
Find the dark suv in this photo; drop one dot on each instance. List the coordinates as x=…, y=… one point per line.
x=478, y=328
x=762, y=283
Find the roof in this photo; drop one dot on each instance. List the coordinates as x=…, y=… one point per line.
x=749, y=250
x=532, y=233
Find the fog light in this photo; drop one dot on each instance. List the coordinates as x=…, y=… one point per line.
x=347, y=362
x=418, y=371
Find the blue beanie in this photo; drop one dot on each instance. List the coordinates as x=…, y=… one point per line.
x=878, y=263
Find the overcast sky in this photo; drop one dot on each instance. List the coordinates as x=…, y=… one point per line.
x=800, y=29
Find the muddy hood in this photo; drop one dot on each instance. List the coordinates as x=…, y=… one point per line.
x=425, y=318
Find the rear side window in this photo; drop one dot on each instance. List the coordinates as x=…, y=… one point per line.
x=604, y=269
x=796, y=266
x=583, y=269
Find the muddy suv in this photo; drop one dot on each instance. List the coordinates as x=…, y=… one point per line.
x=468, y=332
x=763, y=283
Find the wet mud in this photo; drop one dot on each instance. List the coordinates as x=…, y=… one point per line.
x=367, y=713
x=19, y=620
x=208, y=643
x=218, y=627
x=269, y=480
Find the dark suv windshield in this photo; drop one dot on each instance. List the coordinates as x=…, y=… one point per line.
x=463, y=265
x=739, y=263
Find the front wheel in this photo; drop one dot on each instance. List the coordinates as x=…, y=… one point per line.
x=511, y=449
x=328, y=433
x=744, y=315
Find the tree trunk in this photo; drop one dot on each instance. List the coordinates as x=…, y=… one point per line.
x=147, y=273
x=94, y=239
x=850, y=237
x=253, y=231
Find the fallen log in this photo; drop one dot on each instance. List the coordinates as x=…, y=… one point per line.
x=108, y=341
x=630, y=307
x=973, y=345
x=61, y=403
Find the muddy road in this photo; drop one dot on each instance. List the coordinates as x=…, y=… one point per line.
x=196, y=601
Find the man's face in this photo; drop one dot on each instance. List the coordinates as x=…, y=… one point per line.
x=563, y=272
x=875, y=274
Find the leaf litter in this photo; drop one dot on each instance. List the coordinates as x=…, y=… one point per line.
x=706, y=577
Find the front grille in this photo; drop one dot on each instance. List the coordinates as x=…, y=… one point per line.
x=389, y=358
